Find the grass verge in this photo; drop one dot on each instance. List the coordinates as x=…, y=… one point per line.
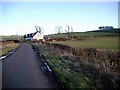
x=7, y=48
x=67, y=77
x=71, y=72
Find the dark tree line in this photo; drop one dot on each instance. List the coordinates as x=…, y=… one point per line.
x=105, y=27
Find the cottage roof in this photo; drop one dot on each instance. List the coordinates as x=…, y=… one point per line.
x=32, y=34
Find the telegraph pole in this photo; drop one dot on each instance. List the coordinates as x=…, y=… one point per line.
x=68, y=30
x=17, y=36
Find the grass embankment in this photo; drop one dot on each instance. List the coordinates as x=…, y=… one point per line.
x=67, y=76
x=72, y=72
x=105, y=43
x=7, y=47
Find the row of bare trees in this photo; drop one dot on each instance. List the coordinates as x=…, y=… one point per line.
x=58, y=29
x=69, y=30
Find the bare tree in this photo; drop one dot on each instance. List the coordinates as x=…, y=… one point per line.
x=39, y=29
x=58, y=29
x=36, y=27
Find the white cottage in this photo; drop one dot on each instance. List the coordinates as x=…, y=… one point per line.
x=34, y=36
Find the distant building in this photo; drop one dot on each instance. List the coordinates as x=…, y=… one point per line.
x=34, y=36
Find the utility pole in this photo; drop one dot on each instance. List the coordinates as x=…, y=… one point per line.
x=72, y=34
x=17, y=36
x=68, y=31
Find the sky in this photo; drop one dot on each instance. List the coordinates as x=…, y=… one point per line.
x=22, y=17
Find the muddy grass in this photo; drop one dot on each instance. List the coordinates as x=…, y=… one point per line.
x=74, y=72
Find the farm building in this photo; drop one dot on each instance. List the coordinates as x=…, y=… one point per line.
x=34, y=36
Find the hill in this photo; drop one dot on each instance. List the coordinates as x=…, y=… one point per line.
x=110, y=32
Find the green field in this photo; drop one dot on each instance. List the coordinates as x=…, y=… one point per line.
x=113, y=32
x=97, y=42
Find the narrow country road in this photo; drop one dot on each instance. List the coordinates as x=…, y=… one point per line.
x=24, y=69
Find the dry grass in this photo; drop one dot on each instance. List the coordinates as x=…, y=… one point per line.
x=6, y=47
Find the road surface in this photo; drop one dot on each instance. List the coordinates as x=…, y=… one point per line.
x=24, y=69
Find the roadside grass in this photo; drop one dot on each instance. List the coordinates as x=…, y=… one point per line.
x=66, y=74
x=5, y=48
x=74, y=72
x=105, y=43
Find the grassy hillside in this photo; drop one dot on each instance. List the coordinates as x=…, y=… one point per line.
x=103, y=39
x=113, y=32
